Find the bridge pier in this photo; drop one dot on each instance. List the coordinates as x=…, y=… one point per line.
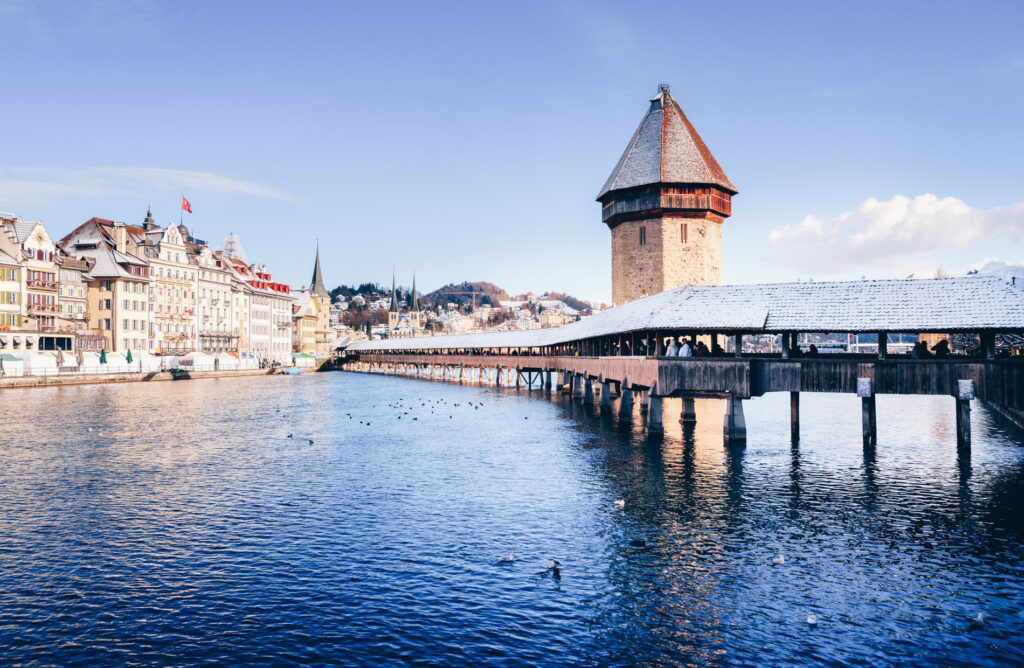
x=606, y=394
x=869, y=425
x=735, y=426
x=588, y=389
x=689, y=414
x=626, y=403
x=654, y=422
x=965, y=392
x=548, y=373
x=794, y=416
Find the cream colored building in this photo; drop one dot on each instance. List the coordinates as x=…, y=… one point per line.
x=217, y=323
x=174, y=286
x=118, y=304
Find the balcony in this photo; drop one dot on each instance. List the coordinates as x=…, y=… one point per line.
x=40, y=284
x=35, y=307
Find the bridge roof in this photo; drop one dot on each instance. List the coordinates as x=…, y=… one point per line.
x=935, y=305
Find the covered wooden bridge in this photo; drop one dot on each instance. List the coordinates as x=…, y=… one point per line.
x=626, y=349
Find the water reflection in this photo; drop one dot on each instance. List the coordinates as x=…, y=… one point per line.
x=180, y=523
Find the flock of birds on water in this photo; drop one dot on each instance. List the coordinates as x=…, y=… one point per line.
x=554, y=565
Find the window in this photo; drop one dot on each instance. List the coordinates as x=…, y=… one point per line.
x=682, y=232
x=105, y=285
x=124, y=304
x=643, y=235
x=125, y=327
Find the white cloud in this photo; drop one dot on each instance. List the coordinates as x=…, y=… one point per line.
x=877, y=233
x=37, y=184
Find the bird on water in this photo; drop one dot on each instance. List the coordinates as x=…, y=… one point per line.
x=779, y=561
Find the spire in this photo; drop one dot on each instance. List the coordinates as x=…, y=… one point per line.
x=149, y=223
x=316, y=286
x=415, y=299
x=666, y=149
x=394, y=295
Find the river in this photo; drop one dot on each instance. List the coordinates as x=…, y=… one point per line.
x=368, y=520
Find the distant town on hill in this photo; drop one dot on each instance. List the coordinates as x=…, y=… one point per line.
x=366, y=305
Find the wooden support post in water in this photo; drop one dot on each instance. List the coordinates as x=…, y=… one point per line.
x=965, y=392
x=654, y=423
x=866, y=392
x=689, y=414
x=606, y=394
x=734, y=426
x=588, y=389
x=519, y=376
x=547, y=379
x=794, y=416
x=645, y=400
x=626, y=405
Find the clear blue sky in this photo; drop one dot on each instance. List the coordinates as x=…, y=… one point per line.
x=468, y=140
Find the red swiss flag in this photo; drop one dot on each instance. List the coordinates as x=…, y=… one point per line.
x=185, y=206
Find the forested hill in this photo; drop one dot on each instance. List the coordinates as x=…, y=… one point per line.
x=487, y=294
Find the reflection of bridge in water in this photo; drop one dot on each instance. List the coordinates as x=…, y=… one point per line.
x=621, y=352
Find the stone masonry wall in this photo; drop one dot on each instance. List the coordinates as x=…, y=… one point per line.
x=636, y=269
x=696, y=262
x=665, y=262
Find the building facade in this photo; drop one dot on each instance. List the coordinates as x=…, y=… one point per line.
x=118, y=290
x=665, y=203
x=218, y=330
x=42, y=326
x=174, y=291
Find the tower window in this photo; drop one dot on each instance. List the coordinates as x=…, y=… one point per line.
x=682, y=232
x=643, y=235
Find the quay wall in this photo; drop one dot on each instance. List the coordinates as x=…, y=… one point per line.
x=13, y=382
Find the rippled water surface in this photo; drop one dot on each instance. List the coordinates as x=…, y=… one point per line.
x=178, y=523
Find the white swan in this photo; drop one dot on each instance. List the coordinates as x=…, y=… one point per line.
x=779, y=561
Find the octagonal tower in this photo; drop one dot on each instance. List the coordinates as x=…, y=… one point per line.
x=665, y=203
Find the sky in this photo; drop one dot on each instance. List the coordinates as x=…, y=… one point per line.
x=468, y=141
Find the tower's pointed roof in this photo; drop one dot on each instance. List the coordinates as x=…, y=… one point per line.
x=394, y=295
x=666, y=149
x=317, y=286
x=415, y=299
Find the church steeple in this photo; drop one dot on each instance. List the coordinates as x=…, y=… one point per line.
x=394, y=296
x=316, y=286
x=415, y=299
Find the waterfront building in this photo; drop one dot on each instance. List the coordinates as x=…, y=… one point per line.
x=305, y=318
x=218, y=329
x=174, y=289
x=74, y=301
x=118, y=289
x=269, y=312
x=42, y=327
x=665, y=203
x=10, y=301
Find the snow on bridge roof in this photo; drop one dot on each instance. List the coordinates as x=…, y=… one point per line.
x=934, y=305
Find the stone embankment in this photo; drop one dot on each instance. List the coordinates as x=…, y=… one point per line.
x=91, y=379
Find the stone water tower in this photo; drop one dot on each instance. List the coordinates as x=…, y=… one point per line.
x=665, y=203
